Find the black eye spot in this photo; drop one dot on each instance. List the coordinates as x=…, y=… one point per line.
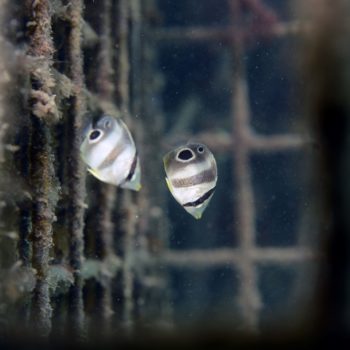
x=200, y=149
x=94, y=135
x=186, y=154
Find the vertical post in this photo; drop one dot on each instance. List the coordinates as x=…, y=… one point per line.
x=25, y=220
x=105, y=86
x=127, y=223
x=123, y=65
x=7, y=76
x=42, y=178
x=106, y=194
x=75, y=167
x=134, y=91
x=3, y=79
x=153, y=234
x=249, y=299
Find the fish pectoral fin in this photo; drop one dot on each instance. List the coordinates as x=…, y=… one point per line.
x=170, y=187
x=168, y=184
x=95, y=173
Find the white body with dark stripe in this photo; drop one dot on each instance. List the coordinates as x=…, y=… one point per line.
x=191, y=177
x=109, y=151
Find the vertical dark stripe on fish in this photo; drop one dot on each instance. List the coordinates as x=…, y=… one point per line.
x=112, y=156
x=205, y=176
x=200, y=200
x=132, y=169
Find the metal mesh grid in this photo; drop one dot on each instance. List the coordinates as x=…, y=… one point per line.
x=66, y=243
x=240, y=145
x=126, y=257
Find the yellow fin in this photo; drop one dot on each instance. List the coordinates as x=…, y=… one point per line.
x=94, y=172
x=198, y=216
x=169, y=185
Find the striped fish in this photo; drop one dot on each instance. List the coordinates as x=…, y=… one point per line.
x=109, y=150
x=191, y=176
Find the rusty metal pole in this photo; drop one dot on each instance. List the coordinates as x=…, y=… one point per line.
x=127, y=223
x=42, y=177
x=248, y=295
x=106, y=194
x=75, y=168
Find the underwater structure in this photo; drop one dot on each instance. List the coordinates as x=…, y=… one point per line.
x=84, y=259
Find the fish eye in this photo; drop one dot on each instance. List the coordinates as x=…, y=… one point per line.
x=95, y=135
x=200, y=149
x=185, y=155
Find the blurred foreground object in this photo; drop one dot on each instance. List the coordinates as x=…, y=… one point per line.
x=328, y=71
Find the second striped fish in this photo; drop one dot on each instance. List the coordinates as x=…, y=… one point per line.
x=191, y=175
